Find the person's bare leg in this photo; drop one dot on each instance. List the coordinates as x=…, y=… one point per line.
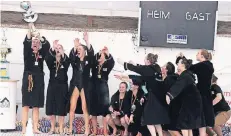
x=159, y=130
x=52, y=119
x=85, y=112
x=73, y=103
x=94, y=124
x=35, y=113
x=185, y=132
x=152, y=129
x=105, y=129
x=174, y=133
x=25, y=111
x=190, y=132
x=111, y=123
x=218, y=130
x=61, y=123
x=125, y=125
x=202, y=131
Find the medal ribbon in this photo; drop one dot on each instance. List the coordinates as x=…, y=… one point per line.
x=120, y=103
x=57, y=65
x=31, y=84
x=36, y=56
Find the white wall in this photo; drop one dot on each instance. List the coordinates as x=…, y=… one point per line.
x=98, y=8
x=119, y=44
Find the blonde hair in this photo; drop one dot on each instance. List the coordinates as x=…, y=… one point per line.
x=207, y=55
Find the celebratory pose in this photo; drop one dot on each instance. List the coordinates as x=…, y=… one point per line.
x=136, y=106
x=155, y=110
x=169, y=78
x=57, y=91
x=80, y=84
x=120, y=107
x=221, y=107
x=34, y=51
x=204, y=71
x=190, y=113
x=102, y=66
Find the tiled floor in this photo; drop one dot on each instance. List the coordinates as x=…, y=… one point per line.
x=19, y=134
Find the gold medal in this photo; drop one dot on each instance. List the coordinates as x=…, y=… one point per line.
x=99, y=76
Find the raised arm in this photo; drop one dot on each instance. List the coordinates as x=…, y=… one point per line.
x=27, y=42
x=73, y=57
x=90, y=50
x=49, y=59
x=110, y=63
x=66, y=62
x=140, y=69
x=45, y=45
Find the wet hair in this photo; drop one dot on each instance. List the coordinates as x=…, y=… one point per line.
x=207, y=55
x=186, y=62
x=152, y=58
x=214, y=78
x=125, y=84
x=170, y=68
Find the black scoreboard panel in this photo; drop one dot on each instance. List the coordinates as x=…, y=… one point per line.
x=178, y=24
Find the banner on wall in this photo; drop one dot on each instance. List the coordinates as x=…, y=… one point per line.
x=178, y=24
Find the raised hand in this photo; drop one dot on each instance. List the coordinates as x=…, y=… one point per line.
x=105, y=50
x=76, y=43
x=55, y=44
x=118, y=76
x=180, y=55
x=167, y=99
x=85, y=37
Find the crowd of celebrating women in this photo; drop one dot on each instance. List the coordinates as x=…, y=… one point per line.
x=158, y=101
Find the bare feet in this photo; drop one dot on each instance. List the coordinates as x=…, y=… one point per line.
x=37, y=132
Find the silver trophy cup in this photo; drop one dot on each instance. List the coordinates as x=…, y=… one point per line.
x=30, y=16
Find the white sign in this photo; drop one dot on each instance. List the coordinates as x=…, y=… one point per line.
x=179, y=39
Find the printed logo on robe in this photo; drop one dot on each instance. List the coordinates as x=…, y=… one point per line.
x=61, y=66
x=116, y=102
x=86, y=62
x=104, y=69
x=212, y=92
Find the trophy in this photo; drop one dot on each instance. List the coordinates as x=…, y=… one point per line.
x=4, y=64
x=30, y=16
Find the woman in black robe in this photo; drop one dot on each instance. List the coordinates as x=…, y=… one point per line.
x=204, y=71
x=136, y=106
x=57, y=91
x=169, y=78
x=102, y=66
x=34, y=51
x=119, y=107
x=80, y=84
x=155, y=110
x=190, y=113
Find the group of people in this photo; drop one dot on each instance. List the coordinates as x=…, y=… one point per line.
x=157, y=101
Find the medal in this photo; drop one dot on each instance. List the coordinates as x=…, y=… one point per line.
x=36, y=63
x=57, y=67
x=36, y=59
x=133, y=108
x=99, y=71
